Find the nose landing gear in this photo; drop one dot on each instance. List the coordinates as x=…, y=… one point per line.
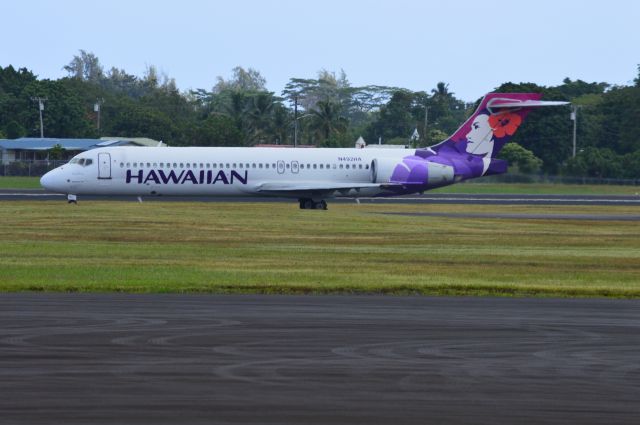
x=310, y=204
x=72, y=199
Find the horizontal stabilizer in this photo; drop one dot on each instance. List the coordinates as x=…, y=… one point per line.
x=510, y=103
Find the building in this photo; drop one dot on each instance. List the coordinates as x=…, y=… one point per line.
x=34, y=156
x=33, y=150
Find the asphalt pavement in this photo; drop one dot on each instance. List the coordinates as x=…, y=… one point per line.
x=426, y=198
x=186, y=359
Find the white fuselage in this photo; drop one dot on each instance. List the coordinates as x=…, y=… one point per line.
x=205, y=171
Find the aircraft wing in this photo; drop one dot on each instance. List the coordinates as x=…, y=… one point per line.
x=302, y=188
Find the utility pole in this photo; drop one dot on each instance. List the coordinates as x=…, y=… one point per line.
x=574, y=118
x=295, y=121
x=40, y=101
x=97, y=107
x=426, y=123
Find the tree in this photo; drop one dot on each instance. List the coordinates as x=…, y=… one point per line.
x=56, y=152
x=85, y=66
x=217, y=130
x=395, y=118
x=243, y=80
x=15, y=130
x=594, y=162
x=525, y=161
x=326, y=119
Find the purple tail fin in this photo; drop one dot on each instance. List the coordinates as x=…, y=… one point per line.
x=493, y=123
x=472, y=148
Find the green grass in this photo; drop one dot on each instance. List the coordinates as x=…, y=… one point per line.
x=472, y=188
x=277, y=248
x=9, y=182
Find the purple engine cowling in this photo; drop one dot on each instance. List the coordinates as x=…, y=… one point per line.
x=412, y=170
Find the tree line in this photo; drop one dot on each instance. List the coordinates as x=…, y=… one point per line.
x=330, y=111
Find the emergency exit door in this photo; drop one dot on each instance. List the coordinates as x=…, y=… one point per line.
x=104, y=166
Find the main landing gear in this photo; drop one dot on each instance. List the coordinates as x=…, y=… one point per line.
x=310, y=204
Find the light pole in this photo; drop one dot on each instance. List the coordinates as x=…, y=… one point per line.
x=295, y=121
x=40, y=101
x=574, y=118
x=426, y=123
x=97, y=107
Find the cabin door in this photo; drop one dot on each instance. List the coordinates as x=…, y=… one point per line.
x=104, y=166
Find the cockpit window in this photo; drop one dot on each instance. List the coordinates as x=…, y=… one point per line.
x=84, y=162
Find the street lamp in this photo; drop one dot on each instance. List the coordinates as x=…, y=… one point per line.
x=40, y=101
x=97, y=107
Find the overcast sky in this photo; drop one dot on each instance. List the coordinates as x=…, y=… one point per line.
x=473, y=46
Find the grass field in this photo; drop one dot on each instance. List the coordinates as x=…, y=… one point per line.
x=277, y=248
x=474, y=188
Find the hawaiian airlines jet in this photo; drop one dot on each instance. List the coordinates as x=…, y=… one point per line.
x=309, y=175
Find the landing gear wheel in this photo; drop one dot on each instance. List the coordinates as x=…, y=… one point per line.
x=72, y=199
x=322, y=205
x=307, y=204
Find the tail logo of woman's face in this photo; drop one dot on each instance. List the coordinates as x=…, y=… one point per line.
x=485, y=128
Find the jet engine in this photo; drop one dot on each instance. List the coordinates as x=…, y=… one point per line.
x=411, y=170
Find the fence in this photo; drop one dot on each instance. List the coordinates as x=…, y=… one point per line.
x=33, y=168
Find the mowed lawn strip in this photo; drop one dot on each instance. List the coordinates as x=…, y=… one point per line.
x=277, y=248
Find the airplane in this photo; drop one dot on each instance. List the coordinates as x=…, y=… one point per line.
x=309, y=175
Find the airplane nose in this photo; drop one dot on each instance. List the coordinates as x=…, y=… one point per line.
x=45, y=181
x=51, y=181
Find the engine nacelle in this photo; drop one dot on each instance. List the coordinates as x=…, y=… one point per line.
x=411, y=170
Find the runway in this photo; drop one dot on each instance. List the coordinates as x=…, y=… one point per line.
x=427, y=198
x=160, y=359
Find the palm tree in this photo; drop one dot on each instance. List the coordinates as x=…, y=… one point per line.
x=258, y=115
x=327, y=119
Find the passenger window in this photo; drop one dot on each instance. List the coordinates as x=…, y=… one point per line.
x=240, y=165
x=253, y=165
x=247, y=165
x=128, y=164
x=228, y=165
x=201, y=165
x=366, y=166
x=266, y=165
x=347, y=166
x=321, y=166
x=135, y=165
x=260, y=165
x=360, y=166
x=182, y=165
x=122, y=165
x=214, y=165
x=175, y=165
x=148, y=165
x=274, y=165
x=333, y=166
x=234, y=165
x=341, y=166
x=188, y=165
x=162, y=165
x=208, y=165
x=315, y=166
x=155, y=165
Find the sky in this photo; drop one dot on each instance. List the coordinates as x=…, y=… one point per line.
x=472, y=46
